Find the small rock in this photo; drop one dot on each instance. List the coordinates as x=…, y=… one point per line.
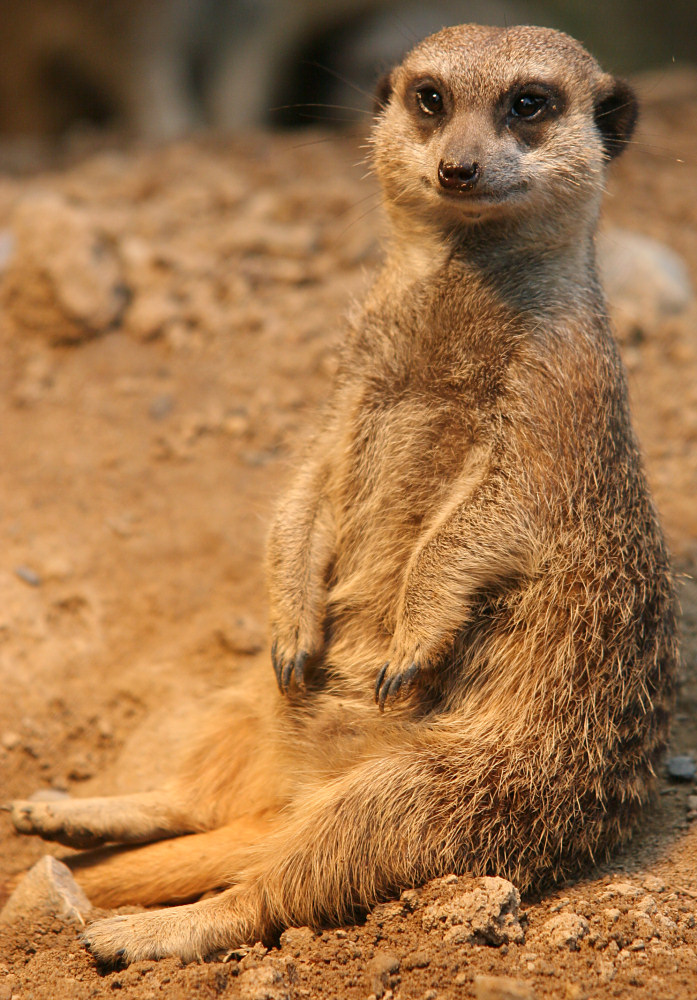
x=625, y=890
x=10, y=740
x=387, y=911
x=410, y=899
x=262, y=983
x=566, y=930
x=296, y=939
x=48, y=888
x=243, y=636
x=575, y=992
x=416, y=960
x=64, y=278
x=645, y=280
x=654, y=884
x=502, y=988
x=647, y=905
x=161, y=406
x=606, y=971
x=487, y=914
x=692, y=801
x=28, y=575
x=383, y=971
x=681, y=768
x=9, y=987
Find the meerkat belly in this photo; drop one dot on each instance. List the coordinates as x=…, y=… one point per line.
x=400, y=465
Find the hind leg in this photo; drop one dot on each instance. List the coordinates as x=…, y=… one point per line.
x=231, y=769
x=126, y=819
x=392, y=821
x=172, y=871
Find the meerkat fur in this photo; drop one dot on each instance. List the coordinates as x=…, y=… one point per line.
x=471, y=603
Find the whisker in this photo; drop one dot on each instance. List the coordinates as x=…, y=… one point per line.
x=314, y=142
x=341, y=78
x=317, y=104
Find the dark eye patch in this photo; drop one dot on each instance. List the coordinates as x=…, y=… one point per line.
x=533, y=102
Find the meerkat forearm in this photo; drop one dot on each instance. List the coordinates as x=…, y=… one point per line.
x=300, y=551
x=482, y=544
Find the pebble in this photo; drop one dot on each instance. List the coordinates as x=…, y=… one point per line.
x=28, y=575
x=262, y=983
x=416, y=960
x=10, y=740
x=645, y=280
x=382, y=970
x=502, y=988
x=488, y=914
x=626, y=890
x=63, y=279
x=48, y=888
x=681, y=768
x=654, y=884
x=566, y=930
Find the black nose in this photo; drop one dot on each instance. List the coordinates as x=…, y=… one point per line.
x=458, y=176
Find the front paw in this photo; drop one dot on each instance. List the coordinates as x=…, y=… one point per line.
x=289, y=667
x=395, y=678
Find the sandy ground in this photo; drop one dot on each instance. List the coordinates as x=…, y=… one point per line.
x=169, y=324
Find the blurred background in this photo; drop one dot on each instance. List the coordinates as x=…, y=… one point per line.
x=161, y=68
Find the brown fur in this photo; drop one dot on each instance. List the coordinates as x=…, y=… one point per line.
x=474, y=515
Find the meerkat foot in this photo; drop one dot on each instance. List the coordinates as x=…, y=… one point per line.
x=190, y=932
x=91, y=822
x=141, y=936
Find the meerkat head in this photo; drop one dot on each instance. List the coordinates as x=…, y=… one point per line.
x=481, y=123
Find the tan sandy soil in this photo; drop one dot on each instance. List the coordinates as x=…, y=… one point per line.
x=169, y=325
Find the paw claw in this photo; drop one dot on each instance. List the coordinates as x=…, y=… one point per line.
x=389, y=687
x=378, y=681
x=287, y=669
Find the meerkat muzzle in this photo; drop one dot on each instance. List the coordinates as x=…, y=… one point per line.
x=458, y=177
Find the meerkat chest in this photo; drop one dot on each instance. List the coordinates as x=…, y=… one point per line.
x=405, y=441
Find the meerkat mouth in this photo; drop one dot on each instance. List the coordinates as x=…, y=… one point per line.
x=479, y=205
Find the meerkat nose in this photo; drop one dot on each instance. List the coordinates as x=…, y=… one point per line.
x=458, y=176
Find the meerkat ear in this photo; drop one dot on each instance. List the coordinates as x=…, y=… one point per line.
x=383, y=92
x=616, y=113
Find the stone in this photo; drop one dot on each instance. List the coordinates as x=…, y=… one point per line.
x=264, y=982
x=487, y=914
x=624, y=890
x=654, y=884
x=566, y=930
x=645, y=281
x=383, y=973
x=297, y=938
x=416, y=960
x=63, y=280
x=48, y=889
x=502, y=988
x=681, y=768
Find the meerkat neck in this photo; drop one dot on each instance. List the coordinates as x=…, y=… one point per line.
x=530, y=263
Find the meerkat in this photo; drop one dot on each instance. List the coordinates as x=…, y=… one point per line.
x=471, y=603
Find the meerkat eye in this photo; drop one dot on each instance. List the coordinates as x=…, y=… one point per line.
x=430, y=100
x=528, y=105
